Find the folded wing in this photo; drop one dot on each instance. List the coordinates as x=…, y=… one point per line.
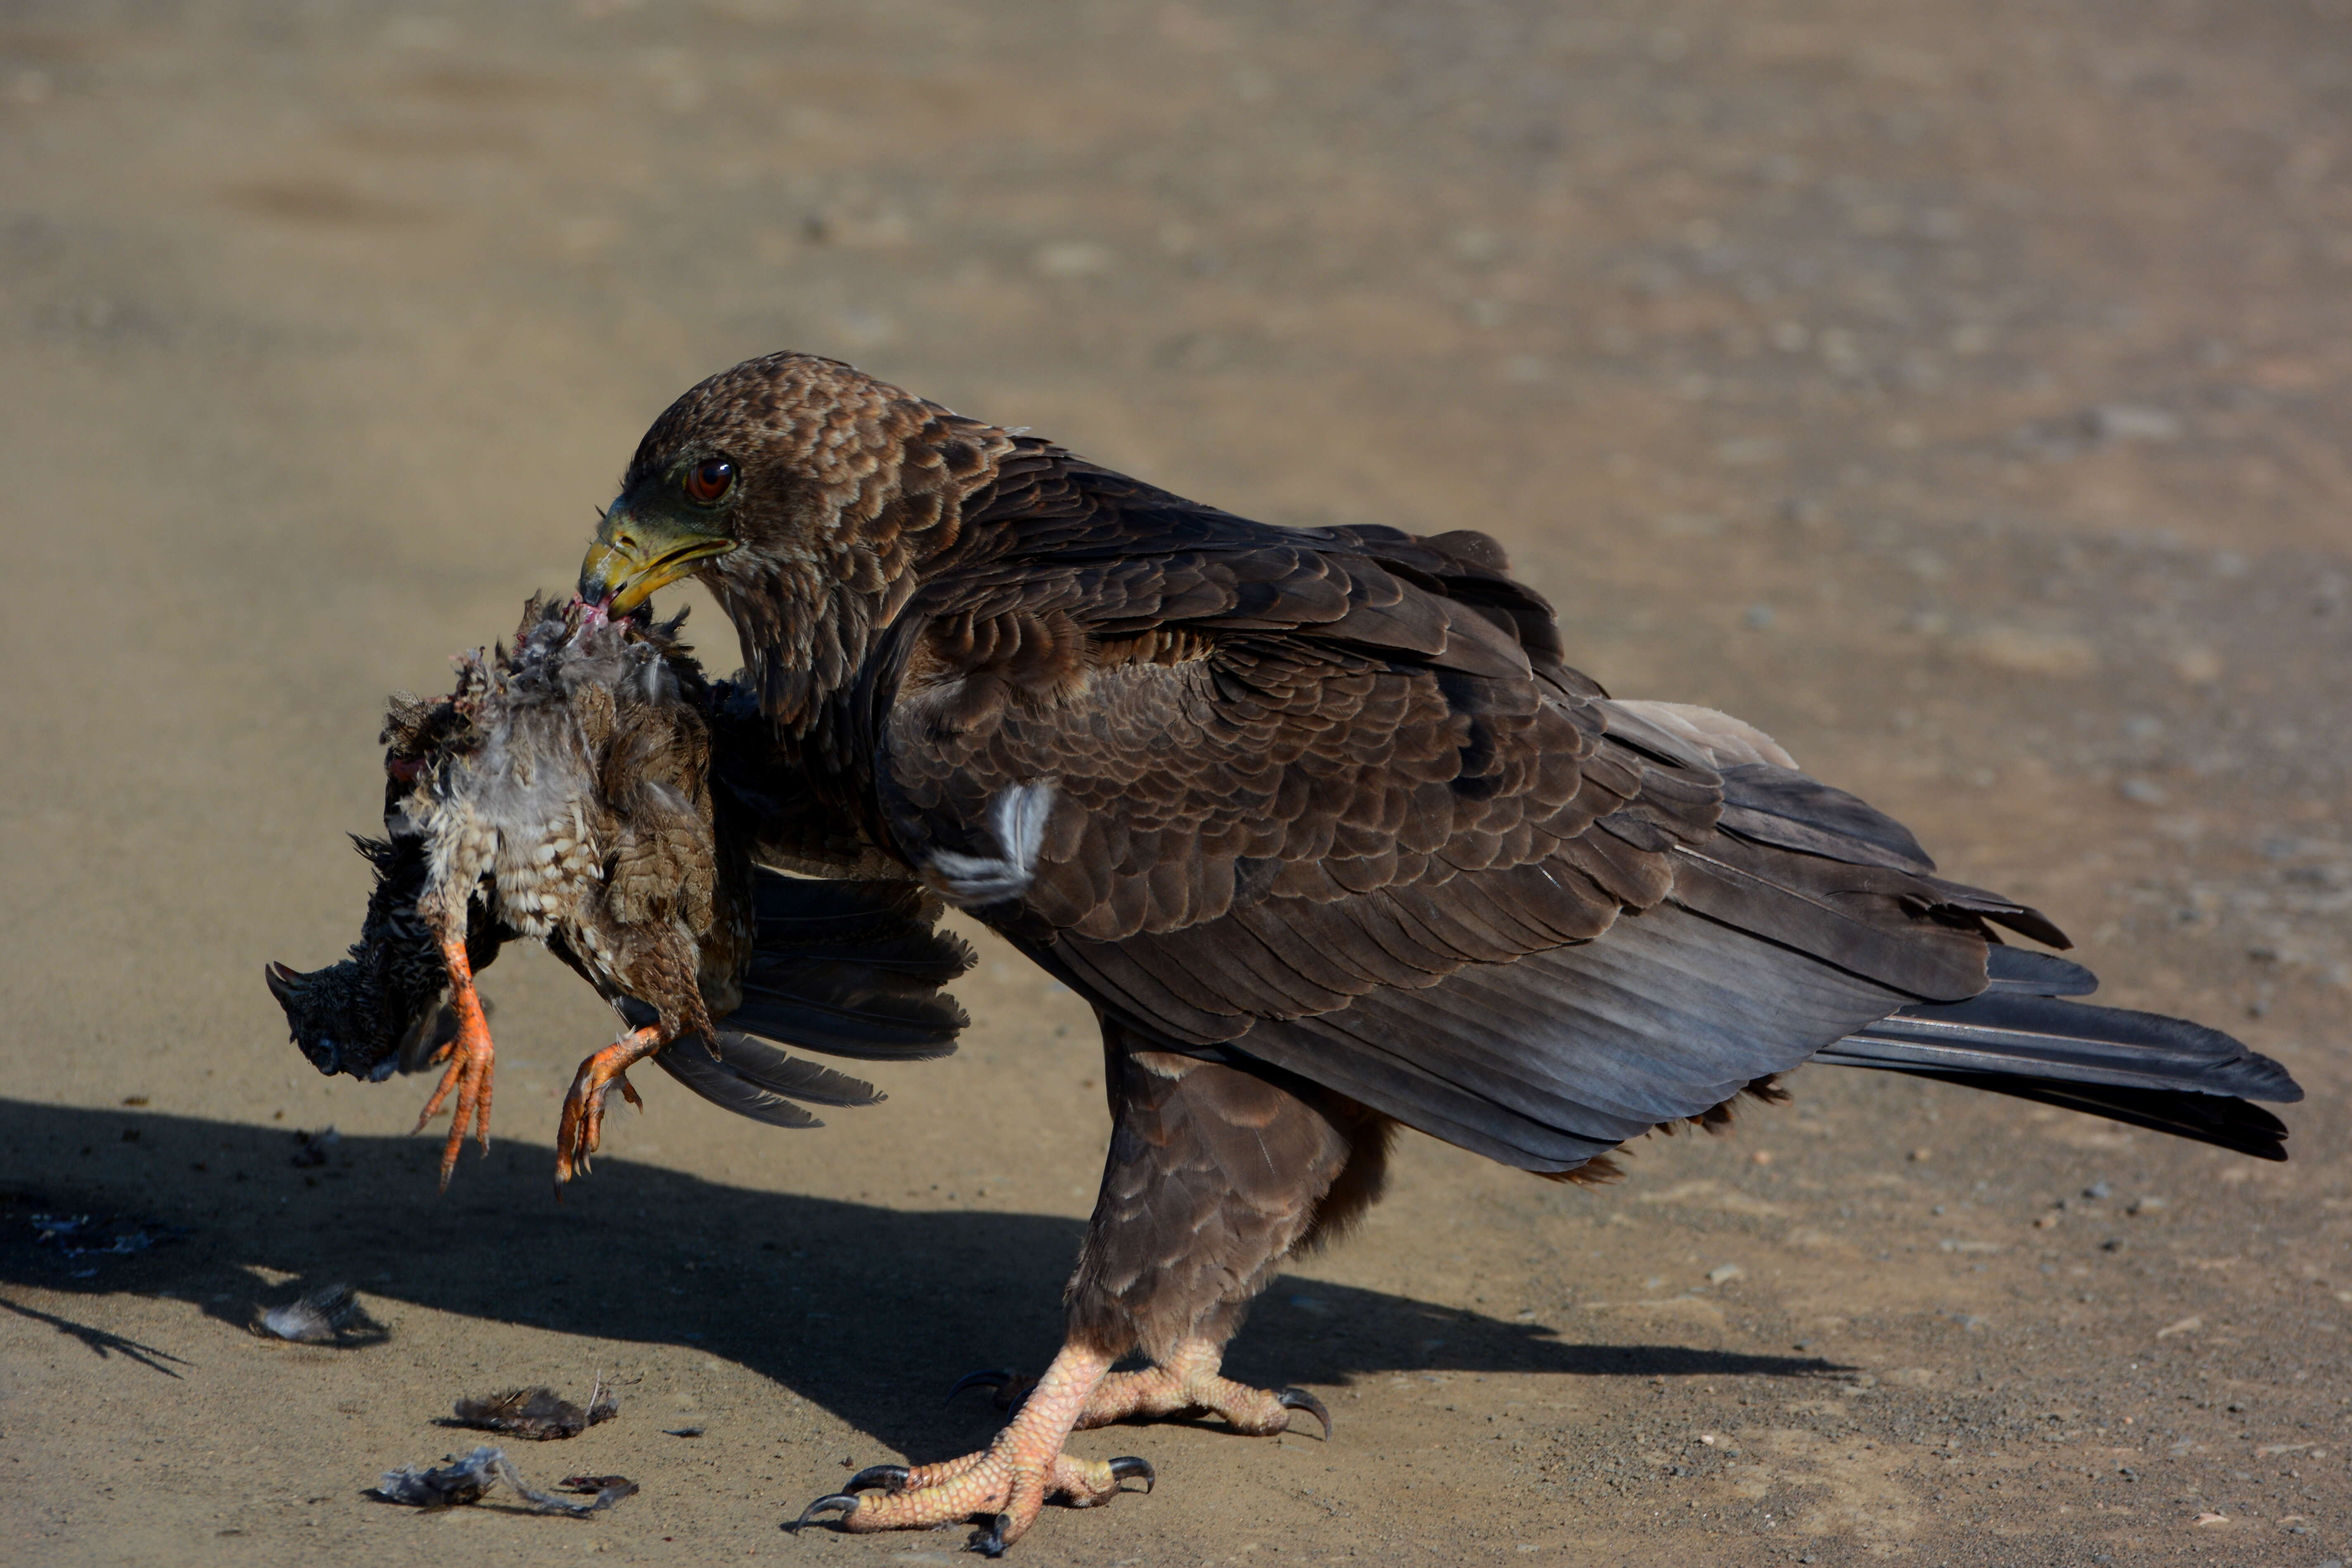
x=1329, y=800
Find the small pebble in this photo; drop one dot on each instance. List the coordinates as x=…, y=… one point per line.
x=2132, y=422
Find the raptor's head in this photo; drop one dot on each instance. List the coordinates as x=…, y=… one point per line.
x=804, y=493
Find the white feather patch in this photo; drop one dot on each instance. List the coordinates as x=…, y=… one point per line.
x=1018, y=822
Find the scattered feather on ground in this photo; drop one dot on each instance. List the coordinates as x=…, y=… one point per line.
x=469, y=1477
x=331, y=1315
x=540, y=1415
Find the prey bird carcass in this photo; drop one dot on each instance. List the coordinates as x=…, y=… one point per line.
x=591, y=790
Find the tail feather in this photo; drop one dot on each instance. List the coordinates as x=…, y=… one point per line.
x=739, y=1074
x=2037, y=973
x=836, y=1011
x=851, y=969
x=2045, y=1037
x=2022, y=1037
x=887, y=924
x=2221, y=1120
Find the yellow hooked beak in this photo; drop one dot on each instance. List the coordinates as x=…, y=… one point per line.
x=635, y=556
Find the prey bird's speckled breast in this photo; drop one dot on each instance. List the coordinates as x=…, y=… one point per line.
x=523, y=810
x=519, y=815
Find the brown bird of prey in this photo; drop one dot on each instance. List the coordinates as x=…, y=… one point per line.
x=591, y=790
x=1334, y=840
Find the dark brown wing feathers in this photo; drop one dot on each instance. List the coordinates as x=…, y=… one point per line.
x=1329, y=798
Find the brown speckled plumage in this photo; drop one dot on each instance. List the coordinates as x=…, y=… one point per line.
x=1332, y=838
x=581, y=790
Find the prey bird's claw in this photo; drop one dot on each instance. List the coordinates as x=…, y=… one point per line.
x=1299, y=1399
x=878, y=1478
x=841, y=1503
x=1128, y=1466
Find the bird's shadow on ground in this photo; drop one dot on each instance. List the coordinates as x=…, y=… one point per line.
x=868, y=1311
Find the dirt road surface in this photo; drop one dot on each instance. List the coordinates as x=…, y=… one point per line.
x=1959, y=389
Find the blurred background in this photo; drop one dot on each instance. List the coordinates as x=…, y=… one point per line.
x=1959, y=391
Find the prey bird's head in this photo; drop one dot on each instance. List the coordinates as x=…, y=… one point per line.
x=805, y=495
x=380, y=1010
x=337, y=1017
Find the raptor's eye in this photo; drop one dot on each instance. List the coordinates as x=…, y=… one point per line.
x=708, y=482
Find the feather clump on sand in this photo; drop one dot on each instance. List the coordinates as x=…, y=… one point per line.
x=330, y=1315
x=539, y=1414
x=468, y=1477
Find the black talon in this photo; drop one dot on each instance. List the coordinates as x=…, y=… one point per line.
x=883, y=1478
x=1127, y=1465
x=1012, y=1387
x=995, y=1377
x=1299, y=1399
x=989, y=1541
x=841, y=1502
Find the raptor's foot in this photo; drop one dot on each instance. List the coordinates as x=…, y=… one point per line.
x=472, y=1067
x=582, y=1132
x=1001, y=1488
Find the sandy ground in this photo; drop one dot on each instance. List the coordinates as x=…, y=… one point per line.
x=1957, y=389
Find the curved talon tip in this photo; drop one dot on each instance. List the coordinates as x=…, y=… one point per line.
x=990, y=1541
x=882, y=1477
x=841, y=1502
x=1299, y=1399
x=993, y=1377
x=1127, y=1465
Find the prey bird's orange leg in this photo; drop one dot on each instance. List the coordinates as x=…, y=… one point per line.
x=471, y=1065
x=581, y=1130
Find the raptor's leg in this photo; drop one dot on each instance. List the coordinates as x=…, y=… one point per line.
x=1214, y=1175
x=581, y=1130
x=471, y=1064
x=1250, y=1167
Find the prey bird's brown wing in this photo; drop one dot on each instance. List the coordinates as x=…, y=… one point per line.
x=653, y=781
x=1330, y=799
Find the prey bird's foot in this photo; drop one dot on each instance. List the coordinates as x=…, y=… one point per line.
x=471, y=1071
x=999, y=1489
x=582, y=1132
x=1186, y=1390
